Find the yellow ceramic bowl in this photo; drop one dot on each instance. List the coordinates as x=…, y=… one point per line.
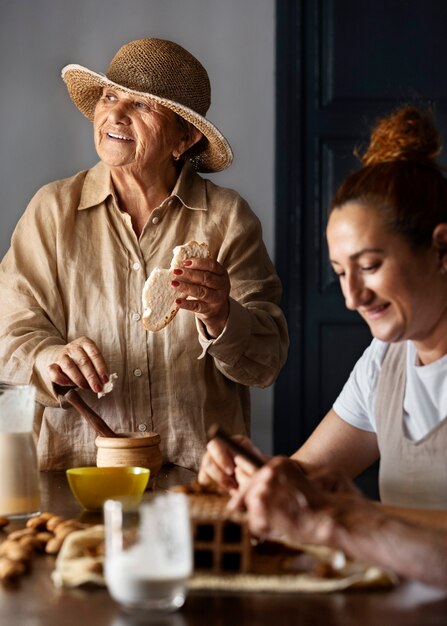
x=92, y=486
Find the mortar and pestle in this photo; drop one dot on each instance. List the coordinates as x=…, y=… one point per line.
x=118, y=449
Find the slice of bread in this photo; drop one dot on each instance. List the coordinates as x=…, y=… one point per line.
x=158, y=300
x=158, y=296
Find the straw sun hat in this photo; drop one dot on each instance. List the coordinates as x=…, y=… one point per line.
x=166, y=73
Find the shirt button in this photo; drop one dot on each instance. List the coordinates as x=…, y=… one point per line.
x=136, y=265
x=155, y=220
x=137, y=372
x=142, y=428
x=136, y=317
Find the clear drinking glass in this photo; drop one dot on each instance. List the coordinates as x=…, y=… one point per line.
x=19, y=476
x=148, y=552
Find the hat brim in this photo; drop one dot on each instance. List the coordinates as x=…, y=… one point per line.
x=85, y=88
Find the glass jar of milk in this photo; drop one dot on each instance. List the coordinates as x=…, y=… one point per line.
x=149, y=554
x=19, y=476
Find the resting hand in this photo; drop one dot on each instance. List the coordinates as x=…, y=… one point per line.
x=221, y=467
x=79, y=364
x=203, y=287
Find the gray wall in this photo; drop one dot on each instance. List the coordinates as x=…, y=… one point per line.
x=44, y=137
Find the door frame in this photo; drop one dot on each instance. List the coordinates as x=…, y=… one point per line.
x=288, y=427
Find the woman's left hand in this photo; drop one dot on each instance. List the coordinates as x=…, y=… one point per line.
x=203, y=287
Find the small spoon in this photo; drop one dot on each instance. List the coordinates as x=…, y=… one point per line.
x=94, y=420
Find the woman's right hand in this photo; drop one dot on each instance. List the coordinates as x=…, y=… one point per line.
x=79, y=364
x=222, y=467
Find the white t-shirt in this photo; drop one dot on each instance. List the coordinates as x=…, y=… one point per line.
x=425, y=400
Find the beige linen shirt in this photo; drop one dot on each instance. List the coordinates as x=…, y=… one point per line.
x=76, y=268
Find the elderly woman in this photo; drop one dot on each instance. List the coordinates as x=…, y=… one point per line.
x=71, y=283
x=387, y=237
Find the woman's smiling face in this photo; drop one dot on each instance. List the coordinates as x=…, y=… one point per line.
x=395, y=288
x=134, y=131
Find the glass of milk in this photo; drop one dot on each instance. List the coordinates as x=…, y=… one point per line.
x=149, y=553
x=19, y=476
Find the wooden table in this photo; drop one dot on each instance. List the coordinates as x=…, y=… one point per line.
x=34, y=601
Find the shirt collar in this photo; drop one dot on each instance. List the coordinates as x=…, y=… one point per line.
x=97, y=187
x=189, y=189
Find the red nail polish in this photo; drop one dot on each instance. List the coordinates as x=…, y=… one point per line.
x=178, y=272
x=187, y=263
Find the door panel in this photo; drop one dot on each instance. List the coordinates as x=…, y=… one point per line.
x=377, y=50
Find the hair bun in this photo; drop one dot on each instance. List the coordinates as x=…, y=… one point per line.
x=407, y=134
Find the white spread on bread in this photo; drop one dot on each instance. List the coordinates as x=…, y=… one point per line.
x=108, y=386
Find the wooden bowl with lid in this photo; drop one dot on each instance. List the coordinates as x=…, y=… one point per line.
x=130, y=449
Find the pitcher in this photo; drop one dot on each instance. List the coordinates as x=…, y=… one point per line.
x=19, y=483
